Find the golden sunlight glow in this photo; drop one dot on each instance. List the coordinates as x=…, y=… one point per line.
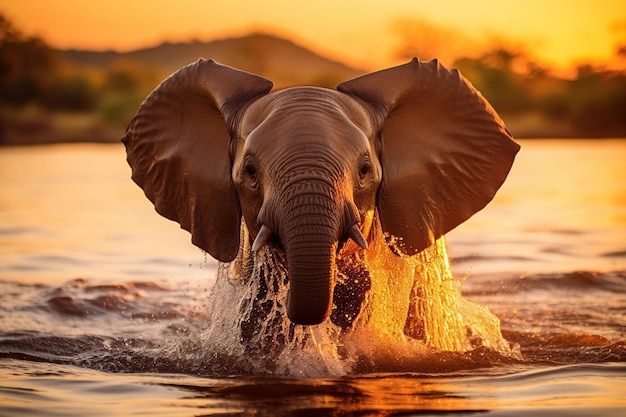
x=558, y=33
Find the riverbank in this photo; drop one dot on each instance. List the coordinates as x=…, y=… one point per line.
x=31, y=126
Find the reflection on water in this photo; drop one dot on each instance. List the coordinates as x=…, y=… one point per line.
x=562, y=208
x=71, y=211
x=582, y=390
x=103, y=303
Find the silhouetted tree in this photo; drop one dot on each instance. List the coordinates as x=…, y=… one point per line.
x=597, y=101
x=426, y=40
x=492, y=73
x=27, y=65
x=73, y=93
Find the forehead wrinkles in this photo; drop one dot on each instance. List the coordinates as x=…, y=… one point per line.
x=308, y=107
x=309, y=99
x=292, y=119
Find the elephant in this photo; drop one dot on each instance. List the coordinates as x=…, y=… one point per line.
x=309, y=171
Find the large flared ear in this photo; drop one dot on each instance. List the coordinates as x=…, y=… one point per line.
x=444, y=150
x=178, y=148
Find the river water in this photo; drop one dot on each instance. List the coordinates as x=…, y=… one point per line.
x=103, y=303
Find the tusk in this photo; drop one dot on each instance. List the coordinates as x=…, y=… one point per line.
x=265, y=233
x=355, y=234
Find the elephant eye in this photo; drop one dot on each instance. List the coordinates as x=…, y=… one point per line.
x=365, y=168
x=250, y=170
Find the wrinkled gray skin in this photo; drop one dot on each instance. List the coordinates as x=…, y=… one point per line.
x=308, y=168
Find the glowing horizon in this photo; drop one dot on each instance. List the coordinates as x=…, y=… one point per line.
x=558, y=34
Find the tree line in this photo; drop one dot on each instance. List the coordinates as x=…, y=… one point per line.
x=33, y=74
x=591, y=104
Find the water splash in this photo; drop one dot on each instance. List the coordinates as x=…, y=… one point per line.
x=412, y=310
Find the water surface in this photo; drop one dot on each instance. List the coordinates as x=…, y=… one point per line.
x=103, y=302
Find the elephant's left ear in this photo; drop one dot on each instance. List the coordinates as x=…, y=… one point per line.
x=178, y=146
x=444, y=150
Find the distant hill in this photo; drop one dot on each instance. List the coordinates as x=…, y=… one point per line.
x=280, y=60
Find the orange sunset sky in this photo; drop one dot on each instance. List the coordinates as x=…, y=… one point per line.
x=557, y=33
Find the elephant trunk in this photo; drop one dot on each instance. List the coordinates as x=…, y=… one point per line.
x=314, y=223
x=312, y=217
x=310, y=243
x=312, y=276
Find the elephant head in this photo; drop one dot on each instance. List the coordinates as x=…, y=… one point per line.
x=308, y=168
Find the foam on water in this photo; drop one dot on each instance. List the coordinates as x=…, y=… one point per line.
x=413, y=310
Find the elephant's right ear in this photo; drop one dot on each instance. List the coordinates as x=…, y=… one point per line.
x=444, y=150
x=178, y=148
